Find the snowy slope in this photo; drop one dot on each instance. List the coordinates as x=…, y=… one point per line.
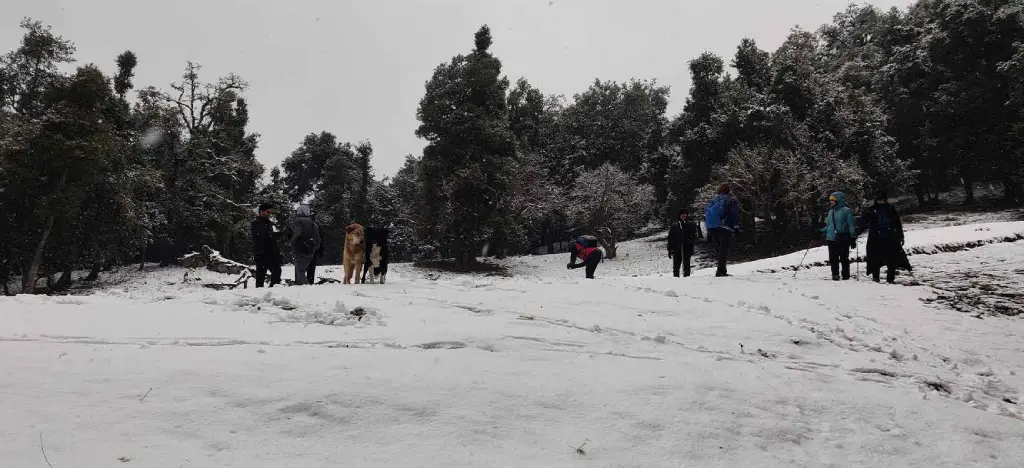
x=648, y=257
x=649, y=371
x=918, y=242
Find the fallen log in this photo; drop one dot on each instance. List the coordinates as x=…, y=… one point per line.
x=213, y=261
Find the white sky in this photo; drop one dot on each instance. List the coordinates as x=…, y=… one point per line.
x=357, y=68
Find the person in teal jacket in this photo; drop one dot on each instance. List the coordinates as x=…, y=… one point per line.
x=840, y=235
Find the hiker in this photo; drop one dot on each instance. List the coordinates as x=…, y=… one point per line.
x=681, y=237
x=265, y=253
x=840, y=235
x=722, y=218
x=318, y=255
x=585, y=249
x=885, y=239
x=305, y=244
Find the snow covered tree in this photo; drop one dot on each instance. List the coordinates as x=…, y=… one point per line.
x=209, y=167
x=610, y=122
x=701, y=131
x=409, y=240
x=465, y=165
x=364, y=182
x=608, y=204
x=67, y=191
x=786, y=188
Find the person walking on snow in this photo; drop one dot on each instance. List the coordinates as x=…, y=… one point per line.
x=318, y=255
x=265, y=253
x=587, y=252
x=722, y=218
x=885, y=240
x=681, y=237
x=840, y=235
x=305, y=243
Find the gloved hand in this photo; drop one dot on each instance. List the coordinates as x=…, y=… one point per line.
x=670, y=255
x=902, y=242
x=853, y=244
x=568, y=266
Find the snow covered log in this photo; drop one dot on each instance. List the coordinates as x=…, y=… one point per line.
x=213, y=261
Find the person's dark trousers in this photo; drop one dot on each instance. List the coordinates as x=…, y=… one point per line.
x=592, y=261
x=839, y=254
x=723, y=237
x=687, y=256
x=302, y=264
x=311, y=271
x=681, y=258
x=261, y=273
x=890, y=251
x=890, y=274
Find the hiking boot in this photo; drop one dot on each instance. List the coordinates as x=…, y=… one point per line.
x=721, y=275
x=835, y=277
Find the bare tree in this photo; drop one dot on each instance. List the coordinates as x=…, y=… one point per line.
x=609, y=204
x=197, y=102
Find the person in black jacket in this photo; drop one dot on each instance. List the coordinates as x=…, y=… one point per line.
x=681, y=237
x=266, y=255
x=885, y=240
x=318, y=255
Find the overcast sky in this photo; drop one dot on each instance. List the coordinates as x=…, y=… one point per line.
x=357, y=68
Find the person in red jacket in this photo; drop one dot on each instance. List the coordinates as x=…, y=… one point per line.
x=588, y=255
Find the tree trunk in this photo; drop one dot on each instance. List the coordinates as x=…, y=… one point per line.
x=611, y=251
x=464, y=258
x=28, y=282
x=1011, y=190
x=63, y=283
x=968, y=180
x=94, y=273
x=142, y=258
x=5, y=274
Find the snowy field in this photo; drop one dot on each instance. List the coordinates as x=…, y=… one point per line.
x=540, y=369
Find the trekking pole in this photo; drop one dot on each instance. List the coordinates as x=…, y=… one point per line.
x=858, y=261
x=809, y=244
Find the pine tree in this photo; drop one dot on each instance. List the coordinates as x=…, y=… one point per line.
x=364, y=180
x=463, y=117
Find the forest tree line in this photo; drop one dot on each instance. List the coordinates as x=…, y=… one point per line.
x=913, y=101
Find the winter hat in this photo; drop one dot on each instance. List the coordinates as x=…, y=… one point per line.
x=881, y=195
x=683, y=211
x=724, y=189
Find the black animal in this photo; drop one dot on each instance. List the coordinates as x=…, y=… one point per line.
x=376, y=255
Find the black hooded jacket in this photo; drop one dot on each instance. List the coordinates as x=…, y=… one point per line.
x=264, y=241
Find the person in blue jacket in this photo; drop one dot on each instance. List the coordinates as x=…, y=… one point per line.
x=722, y=218
x=840, y=235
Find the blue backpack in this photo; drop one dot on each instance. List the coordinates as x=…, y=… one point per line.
x=714, y=214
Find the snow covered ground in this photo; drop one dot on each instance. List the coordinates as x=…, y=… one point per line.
x=761, y=369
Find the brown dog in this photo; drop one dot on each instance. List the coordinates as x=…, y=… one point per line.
x=355, y=252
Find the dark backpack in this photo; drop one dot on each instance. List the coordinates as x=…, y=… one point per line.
x=307, y=246
x=587, y=241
